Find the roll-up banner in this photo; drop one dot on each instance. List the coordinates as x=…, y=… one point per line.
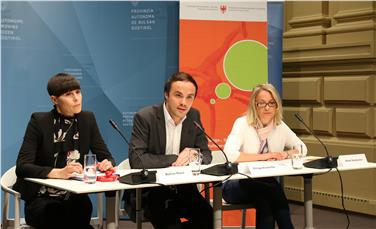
x=223, y=45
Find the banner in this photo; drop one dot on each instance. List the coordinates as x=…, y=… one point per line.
x=113, y=48
x=224, y=46
x=122, y=53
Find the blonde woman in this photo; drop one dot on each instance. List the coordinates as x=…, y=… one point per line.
x=258, y=136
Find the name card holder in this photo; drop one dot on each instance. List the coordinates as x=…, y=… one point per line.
x=352, y=160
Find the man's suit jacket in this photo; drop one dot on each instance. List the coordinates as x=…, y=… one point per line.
x=149, y=138
x=36, y=156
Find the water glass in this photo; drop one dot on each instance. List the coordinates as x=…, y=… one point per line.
x=90, y=168
x=297, y=157
x=195, y=160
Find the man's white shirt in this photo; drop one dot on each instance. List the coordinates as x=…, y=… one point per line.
x=173, y=133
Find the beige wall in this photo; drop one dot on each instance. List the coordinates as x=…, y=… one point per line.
x=329, y=67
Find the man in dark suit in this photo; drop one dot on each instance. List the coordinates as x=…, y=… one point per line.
x=54, y=146
x=162, y=135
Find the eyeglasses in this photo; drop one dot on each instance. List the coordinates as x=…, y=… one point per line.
x=264, y=104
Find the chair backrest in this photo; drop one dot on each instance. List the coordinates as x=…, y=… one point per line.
x=218, y=157
x=124, y=164
x=8, y=179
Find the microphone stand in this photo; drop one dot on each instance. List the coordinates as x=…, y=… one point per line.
x=226, y=168
x=142, y=177
x=327, y=162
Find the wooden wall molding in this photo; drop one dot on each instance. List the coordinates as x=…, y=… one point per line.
x=354, y=15
x=328, y=52
x=353, y=20
x=307, y=26
x=330, y=68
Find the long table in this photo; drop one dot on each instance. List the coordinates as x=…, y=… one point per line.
x=281, y=168
x=79, y=187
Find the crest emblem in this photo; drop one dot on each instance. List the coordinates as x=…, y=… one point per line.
x=223, y=8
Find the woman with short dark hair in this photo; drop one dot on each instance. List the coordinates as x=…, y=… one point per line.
x=54, y=146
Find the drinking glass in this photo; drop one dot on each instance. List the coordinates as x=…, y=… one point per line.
x=90, y=168
x=297, y=158
x=195, y=160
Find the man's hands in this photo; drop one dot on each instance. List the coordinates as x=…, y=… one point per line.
x=184, y=157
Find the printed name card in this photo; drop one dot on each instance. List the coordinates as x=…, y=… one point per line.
x=173, y=173
x=268, y=167
x=352, y=160
x=262, y=167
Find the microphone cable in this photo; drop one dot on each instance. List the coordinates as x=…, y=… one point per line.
x=343, y=199
x=341, y=185
x=216, y=184
x=342, y=195
x=160, y=184
x=300, y=119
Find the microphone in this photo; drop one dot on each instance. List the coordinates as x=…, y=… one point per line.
x=322, y=163
x=142, y=177
x=227, y=168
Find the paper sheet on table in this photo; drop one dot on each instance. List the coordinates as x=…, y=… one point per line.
x=80, y=176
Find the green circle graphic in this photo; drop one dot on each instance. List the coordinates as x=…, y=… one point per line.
x=212, y=101
x=223, y=90
x=246, y=64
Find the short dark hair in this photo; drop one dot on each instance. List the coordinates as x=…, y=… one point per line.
x=61, y=83
x=179, y=76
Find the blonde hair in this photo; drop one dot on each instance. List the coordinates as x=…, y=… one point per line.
x=252, y=117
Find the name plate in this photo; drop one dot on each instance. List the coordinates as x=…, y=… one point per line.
x=173, y=173
x=260, y=167
x=352, y=160
x=268, y=167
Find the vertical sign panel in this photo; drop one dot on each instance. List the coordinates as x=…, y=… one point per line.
x=224, y=46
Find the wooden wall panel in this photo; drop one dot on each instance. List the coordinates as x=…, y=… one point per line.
x=329, y=70
x=298, y=89
x=355, y=122
x=292, y=122
x=323, y=120
x=355, y=89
